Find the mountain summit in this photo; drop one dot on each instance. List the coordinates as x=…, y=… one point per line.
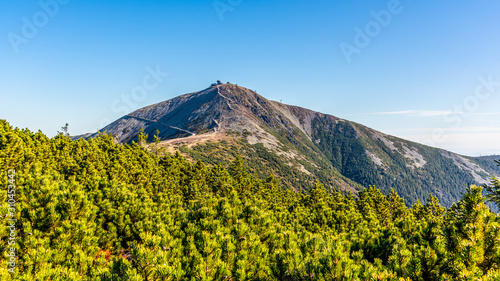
x=299, y=146
x=220, y=108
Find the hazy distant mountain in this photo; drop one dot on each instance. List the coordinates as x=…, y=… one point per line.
x=300, y=146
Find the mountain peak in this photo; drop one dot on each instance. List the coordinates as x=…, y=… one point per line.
x=216, y=109
x=220, y=108
x=298, y=143
x=240, y=92
x=234, y=90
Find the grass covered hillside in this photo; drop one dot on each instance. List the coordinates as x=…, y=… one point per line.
x=97, y=210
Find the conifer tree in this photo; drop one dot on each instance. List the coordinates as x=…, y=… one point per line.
x=142, y=138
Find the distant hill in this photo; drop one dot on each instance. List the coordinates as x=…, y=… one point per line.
x=299, y=146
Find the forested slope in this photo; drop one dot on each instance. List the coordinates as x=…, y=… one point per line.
x=97, y=210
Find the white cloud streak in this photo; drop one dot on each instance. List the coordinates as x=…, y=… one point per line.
x=418, y=113
x=430, y=113
x=450, y=130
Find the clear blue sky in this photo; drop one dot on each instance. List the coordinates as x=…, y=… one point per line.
x=412, y=75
